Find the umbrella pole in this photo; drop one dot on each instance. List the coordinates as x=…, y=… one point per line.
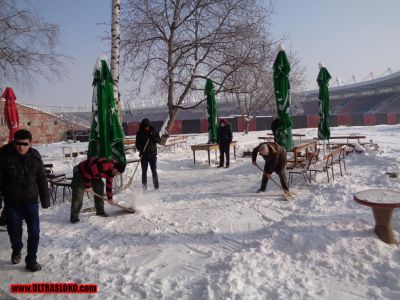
x=285, y=191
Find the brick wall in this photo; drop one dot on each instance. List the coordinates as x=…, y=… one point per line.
x=45, y=127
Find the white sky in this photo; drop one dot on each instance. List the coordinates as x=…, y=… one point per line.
x=349, y=37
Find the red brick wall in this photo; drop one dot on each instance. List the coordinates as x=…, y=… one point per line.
x=133, y=127
x=312, y=121
x=45, y=127
x=204, y=125
x=369, y=119
x=392, y=118
x=343, y=120
x=241, y=125
x=177, y=127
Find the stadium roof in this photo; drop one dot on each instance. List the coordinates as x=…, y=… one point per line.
x=389, y=83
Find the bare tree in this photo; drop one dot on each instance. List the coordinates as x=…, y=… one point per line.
x=180, y=43
x=27, y=46
x=115, y=49
x=251, y=90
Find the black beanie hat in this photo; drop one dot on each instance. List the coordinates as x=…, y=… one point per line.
x=120, y=166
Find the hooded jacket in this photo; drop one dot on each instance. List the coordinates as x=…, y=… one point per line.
x=142, y=136
x=275, y=160
x=22, y=177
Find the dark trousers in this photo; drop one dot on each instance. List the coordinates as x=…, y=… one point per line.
x=15, y=215
x=78, y=191
x=282, y=178
x=145, y=162
x=223, y=151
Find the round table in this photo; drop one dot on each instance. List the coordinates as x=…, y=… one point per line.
x=382, y=202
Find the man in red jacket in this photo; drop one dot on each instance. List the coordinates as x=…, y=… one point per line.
x=88, y=174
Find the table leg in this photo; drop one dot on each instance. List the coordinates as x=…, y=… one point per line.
x=383, y=225
x=234, y=152
x=208, y=152
x=194, y=157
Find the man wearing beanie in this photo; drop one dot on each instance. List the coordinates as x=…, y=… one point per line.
x=88, y=174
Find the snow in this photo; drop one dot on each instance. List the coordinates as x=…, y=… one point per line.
x=206, y=235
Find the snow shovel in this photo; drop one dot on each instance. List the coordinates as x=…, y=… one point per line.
x=285, y=191
x=134, y=172
x=127, y=209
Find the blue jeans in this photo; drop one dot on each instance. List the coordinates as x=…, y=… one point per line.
x=152, y=161
x=15, y=215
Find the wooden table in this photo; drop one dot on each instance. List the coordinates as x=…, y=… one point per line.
x=270, y=136
x=301, y=145
x=382, y=202
x=348, y=137
x=208, y=148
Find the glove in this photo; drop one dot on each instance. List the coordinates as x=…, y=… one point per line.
x=110, y=201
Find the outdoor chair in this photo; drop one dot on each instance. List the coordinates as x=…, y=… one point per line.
x=52, y=180
x=312, y=160
x=323, y=166
x=340, y=159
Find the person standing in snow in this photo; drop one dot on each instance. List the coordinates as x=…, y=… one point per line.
x=275, y=161
x=22, y=182
x=146, y=143
x=88, y=174
x=224, y=140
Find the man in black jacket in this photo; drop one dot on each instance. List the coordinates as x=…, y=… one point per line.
x=224, y=141
x=146, y=142
x=22, y=181
x=275, y=161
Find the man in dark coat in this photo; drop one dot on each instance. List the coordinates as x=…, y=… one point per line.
x=275, y=161
x=22, y=182
x=146, y=143
x=224, y=140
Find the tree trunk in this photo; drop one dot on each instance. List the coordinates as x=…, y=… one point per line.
x=246, y=126
x=115, y=51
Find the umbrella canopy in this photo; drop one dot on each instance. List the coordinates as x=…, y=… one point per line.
x=106, y=136
x=211, y=112
x=282, y=95
x=11, y=112
x=324, y=132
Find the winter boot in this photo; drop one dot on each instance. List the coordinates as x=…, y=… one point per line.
x=16, y=257
x=155, y=183
x=102, y=214
x=74, y=220
x=33, y=267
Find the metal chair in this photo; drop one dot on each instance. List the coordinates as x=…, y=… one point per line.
x=312, y=159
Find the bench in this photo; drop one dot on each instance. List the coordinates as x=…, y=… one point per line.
x=172, y=142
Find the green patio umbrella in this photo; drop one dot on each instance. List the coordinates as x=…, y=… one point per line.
x=211, y=112
x=282, y=95
x=324, y=132
x=106, y=136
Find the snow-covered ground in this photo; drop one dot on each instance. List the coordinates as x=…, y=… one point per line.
x=206, y=235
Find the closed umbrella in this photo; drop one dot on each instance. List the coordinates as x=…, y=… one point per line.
x=282, y=95
x=324, y=132
x=211, y=112
x=10, y=112
x=106, y=136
